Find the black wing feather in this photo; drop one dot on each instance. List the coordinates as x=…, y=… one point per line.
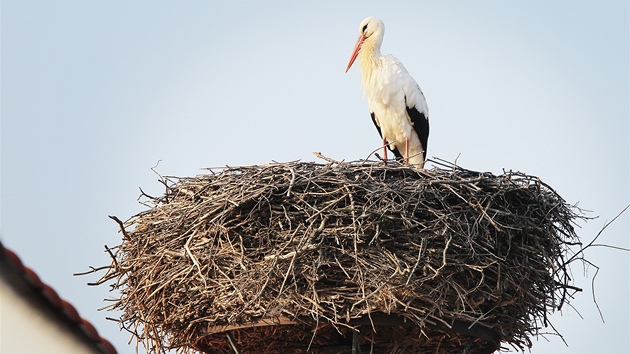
x=420, y=125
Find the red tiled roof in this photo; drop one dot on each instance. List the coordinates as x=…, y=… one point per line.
x=52, y=299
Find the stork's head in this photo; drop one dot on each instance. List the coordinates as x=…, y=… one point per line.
x=371, y=32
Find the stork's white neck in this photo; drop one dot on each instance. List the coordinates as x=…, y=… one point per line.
x=369, y=60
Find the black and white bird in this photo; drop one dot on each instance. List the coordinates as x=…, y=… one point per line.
x=396, y=103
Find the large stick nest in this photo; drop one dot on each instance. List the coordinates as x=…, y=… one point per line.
x=304, y=256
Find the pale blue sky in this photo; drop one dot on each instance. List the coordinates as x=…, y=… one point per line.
x=94, y=93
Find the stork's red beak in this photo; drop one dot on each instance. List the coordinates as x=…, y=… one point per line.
x=356, y=50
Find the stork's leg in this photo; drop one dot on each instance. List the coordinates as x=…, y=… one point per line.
x=384, y=149
x=406, y=151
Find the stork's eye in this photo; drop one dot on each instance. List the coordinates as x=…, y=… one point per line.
x=364, y=29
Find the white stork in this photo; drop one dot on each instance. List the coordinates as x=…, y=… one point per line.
x=396, y=103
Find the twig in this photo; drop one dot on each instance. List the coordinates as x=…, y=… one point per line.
x=232, y=344
x=330, y=161
x=122, y=227
x=592, y=243
x=194, y=259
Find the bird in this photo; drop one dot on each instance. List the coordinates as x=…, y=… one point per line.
x=396, y=103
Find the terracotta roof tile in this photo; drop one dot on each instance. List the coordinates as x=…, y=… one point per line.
x=64, y=308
